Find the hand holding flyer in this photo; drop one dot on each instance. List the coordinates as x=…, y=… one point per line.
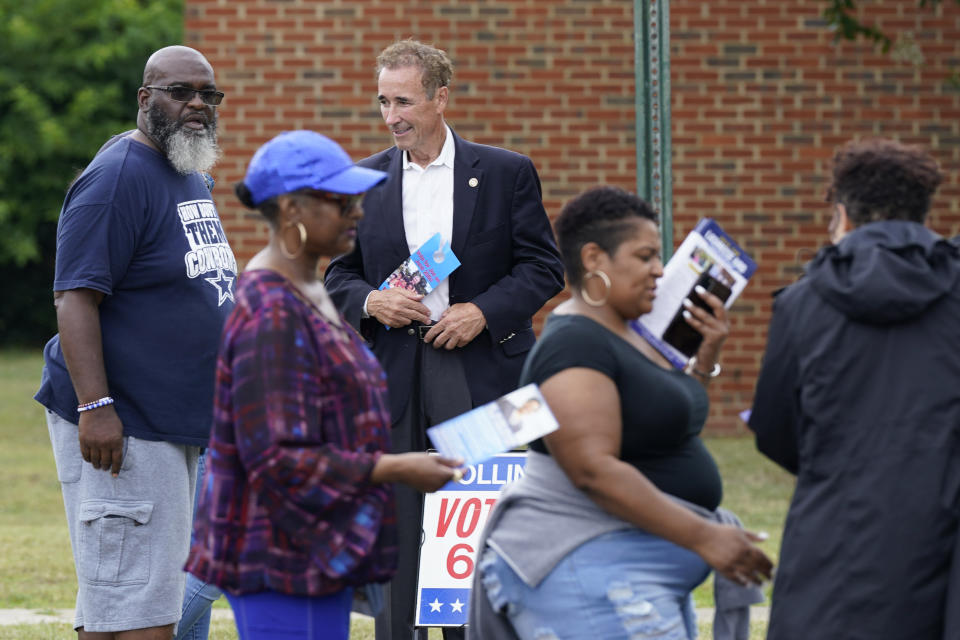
x=425, y=268
x=707, y=258
x=512, y=420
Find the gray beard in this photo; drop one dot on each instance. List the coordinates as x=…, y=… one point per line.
x=187, y=150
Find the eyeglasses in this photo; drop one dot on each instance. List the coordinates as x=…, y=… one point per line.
x=345, y=201
x=185, y=94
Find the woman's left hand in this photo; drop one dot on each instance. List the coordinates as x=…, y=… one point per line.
x=714, y=327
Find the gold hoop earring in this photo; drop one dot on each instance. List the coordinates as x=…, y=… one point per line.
x=583, y=290
x=293, y=255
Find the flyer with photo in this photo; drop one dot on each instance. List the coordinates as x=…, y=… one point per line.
x=425, y=268
x=510, y=421
x=708, y=258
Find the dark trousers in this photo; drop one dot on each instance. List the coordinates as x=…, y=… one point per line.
x=439, y=393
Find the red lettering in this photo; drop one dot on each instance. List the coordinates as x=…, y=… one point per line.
x=488, y=503
x=463, y=528
x=454, y=558
x=446, y=520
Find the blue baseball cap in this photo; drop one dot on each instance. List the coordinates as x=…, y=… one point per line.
x=304, y=159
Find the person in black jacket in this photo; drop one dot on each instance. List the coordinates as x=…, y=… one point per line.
x=859, y=396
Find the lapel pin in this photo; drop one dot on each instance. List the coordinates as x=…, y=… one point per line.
x=473, y=182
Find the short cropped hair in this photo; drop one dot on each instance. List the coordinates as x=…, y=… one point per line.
x=436, y=69
x=882, y=179
x=604, y=215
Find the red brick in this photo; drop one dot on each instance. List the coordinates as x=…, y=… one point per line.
x=753, y=133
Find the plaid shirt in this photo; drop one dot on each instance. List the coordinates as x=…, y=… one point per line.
x=300, y=418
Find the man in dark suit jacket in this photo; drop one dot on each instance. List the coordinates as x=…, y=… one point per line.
x=464, y=343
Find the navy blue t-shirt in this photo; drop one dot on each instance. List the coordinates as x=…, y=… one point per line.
x=151, y=240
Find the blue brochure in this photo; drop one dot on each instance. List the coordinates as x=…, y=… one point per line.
x=510, y=421
x=425, y=268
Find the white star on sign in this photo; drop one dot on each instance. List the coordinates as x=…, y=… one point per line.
x=435, y=605
x=457, y=606
x=224, y=290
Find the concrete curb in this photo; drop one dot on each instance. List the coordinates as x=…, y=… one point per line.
x=65, y=616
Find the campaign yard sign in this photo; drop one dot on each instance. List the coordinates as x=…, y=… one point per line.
x=453, y=519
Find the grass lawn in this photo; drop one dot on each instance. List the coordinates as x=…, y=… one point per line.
x=224, y=630
x=37, y=567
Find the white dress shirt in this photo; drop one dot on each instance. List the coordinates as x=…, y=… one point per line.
x=428, y=209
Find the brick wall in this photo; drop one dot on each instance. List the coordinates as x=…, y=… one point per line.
x=761, y=98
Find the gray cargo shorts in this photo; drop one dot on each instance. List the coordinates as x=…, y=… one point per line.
x=131, y=534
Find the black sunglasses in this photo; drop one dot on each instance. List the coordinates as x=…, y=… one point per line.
x=185, y=94
x=345, y=201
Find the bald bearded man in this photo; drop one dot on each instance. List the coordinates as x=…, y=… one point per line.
x=144, y=280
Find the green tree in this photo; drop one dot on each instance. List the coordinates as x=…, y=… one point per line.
x=69, y=70
x=841, y=16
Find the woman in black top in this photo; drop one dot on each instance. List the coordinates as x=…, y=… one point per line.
x=601, y=538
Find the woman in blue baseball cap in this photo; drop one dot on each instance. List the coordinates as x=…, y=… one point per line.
x=296, y=508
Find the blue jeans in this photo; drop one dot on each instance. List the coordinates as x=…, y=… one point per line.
x=269, y=615
x=198, y=596
x=624, y=584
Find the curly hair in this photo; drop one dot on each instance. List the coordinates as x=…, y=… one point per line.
x=436, y=69
x=882, y=179
x=604, y=215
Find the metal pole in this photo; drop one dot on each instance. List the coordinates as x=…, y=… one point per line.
x=651, y=37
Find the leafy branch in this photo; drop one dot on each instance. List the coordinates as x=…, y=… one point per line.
x=842, y=19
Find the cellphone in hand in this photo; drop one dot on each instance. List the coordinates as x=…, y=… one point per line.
x=681, y=335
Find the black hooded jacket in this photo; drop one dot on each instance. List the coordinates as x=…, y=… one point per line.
x=859, y=395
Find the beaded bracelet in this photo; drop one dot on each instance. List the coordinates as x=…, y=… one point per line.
x=96, y=404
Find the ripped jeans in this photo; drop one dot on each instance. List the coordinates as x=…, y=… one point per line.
x=625, y=585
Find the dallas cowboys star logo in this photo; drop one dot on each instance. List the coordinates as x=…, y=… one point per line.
x=224, y=286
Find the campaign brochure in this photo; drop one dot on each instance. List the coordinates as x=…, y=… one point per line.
x=709, y=258
x=425, y=268
x=510, y=421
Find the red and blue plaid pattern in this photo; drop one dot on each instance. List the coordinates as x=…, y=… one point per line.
x=300, y=417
